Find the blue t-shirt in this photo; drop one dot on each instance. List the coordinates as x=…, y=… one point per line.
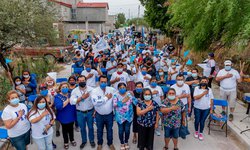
x=68, y=113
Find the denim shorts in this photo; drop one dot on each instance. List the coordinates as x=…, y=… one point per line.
x=21, y=141
x=171, y=132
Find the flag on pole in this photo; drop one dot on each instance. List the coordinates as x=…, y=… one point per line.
x=100, y=46
x=189, y=62
x=8, y=60
x=142, y=32
x=186, y=53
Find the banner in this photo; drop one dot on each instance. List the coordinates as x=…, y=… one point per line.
x=100, y=46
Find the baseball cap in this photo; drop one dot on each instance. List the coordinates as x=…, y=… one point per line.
x=227, y=62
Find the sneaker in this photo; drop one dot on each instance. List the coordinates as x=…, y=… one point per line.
x=99, y=147
x=57, y=133
x=54, y=145
x=111, y=147
x=82, y=145
x=92, y=144
x=201, y=138
x=158, y=133
x=196, y=134
x=223, y=113
x=231, y=117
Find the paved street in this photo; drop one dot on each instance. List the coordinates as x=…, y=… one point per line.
x=215, y=141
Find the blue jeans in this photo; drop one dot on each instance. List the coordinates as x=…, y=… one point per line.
x=82, y=120
x=171, y=132
x=21, y=141
x=200, y=117
x=101, y=121
x=124, y=128
x=44, y=143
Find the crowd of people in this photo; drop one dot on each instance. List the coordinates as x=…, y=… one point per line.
x=129, y=83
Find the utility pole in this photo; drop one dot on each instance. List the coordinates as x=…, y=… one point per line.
x=138, y=16
x=129, y=13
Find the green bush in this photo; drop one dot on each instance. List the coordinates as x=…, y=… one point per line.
x=5, y=86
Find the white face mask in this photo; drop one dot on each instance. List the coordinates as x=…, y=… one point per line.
x=50, y=83
x=26, y=76
x=120, y=69
x=180, y=82
x=18, y=83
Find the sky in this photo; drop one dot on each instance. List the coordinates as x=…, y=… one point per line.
x=123, y=6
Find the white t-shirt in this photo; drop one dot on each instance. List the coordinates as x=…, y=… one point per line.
x=164, y=65
x=102, y=104
x=11, y=113
x=38, y=127
x=229, y=84
x=173, y=76
x=158, y=64
x=124, y=77
x=91, y=81
x=109, y=65
x=182, y=90
x=156, y=97
x=207, y=69
x=204, y=102
x=140, y=77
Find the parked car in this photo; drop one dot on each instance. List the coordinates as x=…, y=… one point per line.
x=54, y=54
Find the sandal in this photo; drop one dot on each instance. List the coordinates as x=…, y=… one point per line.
x=126, y=146
x=66, y=146
x=165, y=148
x=73, y=143
x=122, y=147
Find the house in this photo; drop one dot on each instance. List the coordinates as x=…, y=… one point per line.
x=75, y=14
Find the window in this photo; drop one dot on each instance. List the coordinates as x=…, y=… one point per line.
x=73, y=13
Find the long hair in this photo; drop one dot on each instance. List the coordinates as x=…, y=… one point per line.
x=35, y=109
x=143, y=91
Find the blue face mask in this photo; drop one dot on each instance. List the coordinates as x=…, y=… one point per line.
x=138, y=90
x=194, y=75
x=123, y=90
x=153, y=84
x=15, y=101
x=103, y=85
x=228, y=68
x=65, y=90
x=41, y=105
x=189, y=73
x=144, y=73
x=44, y=92
x=112, y=59
x=171, y=97
x=88, y=69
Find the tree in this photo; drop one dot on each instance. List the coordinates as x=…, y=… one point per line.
x=156, y=14
x=121, y=19
x=138, y=21
x=24, y=22
x=207, y=21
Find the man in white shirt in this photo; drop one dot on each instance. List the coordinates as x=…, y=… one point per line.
x=80, y=97
x=119, y=76
x=173, y=71
x=183, y=92
x=102, y=101
x=228, y=78
x=157, y=62
x=111, y=67
x=91, y=75
x=142, y=75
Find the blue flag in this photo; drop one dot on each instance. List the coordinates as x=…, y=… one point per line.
x=7, y=60
x=189, y=62
x=186, y=53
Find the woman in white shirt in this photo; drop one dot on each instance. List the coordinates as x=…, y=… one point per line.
x=202, y=96
x=15, y=121
x=42, y=119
